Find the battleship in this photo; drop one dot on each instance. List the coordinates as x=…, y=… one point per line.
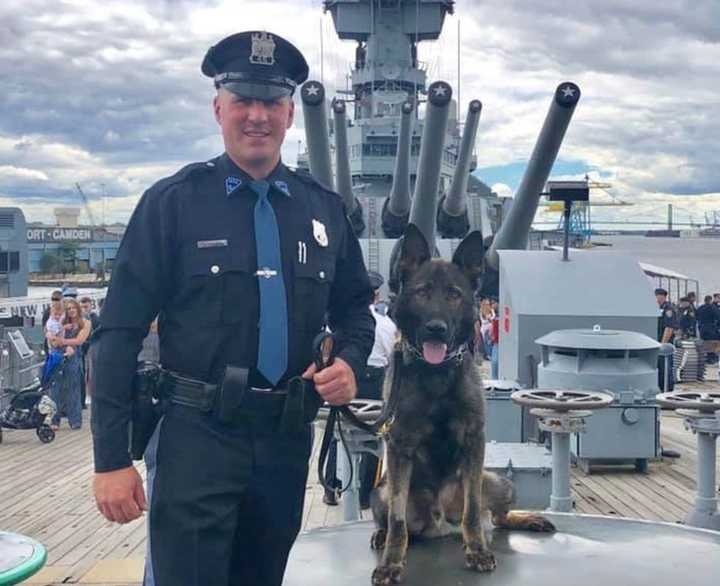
x=394, y=165
x=391, y=165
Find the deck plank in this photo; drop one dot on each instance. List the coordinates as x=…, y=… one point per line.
x=45, y=492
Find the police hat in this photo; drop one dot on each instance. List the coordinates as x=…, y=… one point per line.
x=376, y=279
x=661, y=291
x=256, y=65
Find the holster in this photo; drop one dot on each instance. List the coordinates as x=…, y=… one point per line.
x=146, y=408
x=231, y=392
x=301, y=405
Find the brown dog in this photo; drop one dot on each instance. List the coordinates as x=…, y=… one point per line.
x=436, y=444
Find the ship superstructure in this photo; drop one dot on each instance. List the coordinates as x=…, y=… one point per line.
x=400, y=154
x=386, y=80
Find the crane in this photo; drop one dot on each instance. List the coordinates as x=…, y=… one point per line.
x=580, y=221
x=86, y=203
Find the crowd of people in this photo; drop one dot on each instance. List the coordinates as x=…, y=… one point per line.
x=487, y=334
x=67, y=326
x=687, y=321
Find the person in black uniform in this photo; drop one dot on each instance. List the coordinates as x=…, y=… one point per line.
x=708, y=318
x=242, y=258
x=667, y=326
x=687, y=318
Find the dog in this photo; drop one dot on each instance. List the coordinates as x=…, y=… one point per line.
x=436, y=443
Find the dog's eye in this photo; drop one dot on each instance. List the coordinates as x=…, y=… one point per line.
x=454, y=293
x=422, y=291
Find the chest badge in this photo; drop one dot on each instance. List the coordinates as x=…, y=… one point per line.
x=319, y=233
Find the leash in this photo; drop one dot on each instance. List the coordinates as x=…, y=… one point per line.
x=323, y=349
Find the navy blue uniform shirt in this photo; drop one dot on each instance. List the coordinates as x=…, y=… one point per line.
x=668, y=319
x=188, y=254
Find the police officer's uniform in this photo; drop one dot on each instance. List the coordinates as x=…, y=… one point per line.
x=668, y=318
x=226, y=497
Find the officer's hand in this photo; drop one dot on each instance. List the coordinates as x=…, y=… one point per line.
x=119, y=494
x=335, y=384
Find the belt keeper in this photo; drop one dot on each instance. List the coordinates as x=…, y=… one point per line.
x=292, y=420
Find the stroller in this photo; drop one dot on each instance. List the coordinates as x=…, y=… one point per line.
x=30, y=408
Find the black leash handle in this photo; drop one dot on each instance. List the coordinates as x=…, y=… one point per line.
x=323, y=349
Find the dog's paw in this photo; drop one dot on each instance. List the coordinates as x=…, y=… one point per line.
x=390, y=574
x=540, y=524
x=480, y=560
x=377, y=541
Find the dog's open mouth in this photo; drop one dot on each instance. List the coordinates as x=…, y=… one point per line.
x=434, y=351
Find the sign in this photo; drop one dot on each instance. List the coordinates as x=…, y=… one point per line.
x=59, y=235
x=21, y=347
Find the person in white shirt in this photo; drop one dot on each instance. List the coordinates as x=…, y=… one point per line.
x=370, y=386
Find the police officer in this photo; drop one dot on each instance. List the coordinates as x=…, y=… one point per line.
x=668, y=320
x=667, y=325
x=242, y=258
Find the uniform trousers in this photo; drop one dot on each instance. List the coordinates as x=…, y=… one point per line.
x=226, y=501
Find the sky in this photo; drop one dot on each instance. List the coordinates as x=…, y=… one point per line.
x=109, y=95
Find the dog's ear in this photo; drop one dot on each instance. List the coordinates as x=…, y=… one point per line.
x=414, y=251
x=469, y=256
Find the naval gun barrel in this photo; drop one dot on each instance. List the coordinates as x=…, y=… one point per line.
x=424, y=203
x=396, y=209
x=452, y=217
x=312, y=94
x=513, y=234
x=342, y=168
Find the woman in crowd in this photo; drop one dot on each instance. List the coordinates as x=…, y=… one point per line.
x=65, y=388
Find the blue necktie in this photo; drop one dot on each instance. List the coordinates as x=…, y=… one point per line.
x=272, y=341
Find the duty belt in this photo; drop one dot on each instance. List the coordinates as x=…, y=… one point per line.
x=198, y=394
x=295, y=405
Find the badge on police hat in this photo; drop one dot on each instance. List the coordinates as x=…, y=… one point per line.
x=263, y=49
x=668, y=313
x=319, y=233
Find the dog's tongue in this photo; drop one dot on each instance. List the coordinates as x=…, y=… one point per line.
x=434, y=352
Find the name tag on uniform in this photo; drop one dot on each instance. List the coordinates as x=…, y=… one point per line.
x=212, y=243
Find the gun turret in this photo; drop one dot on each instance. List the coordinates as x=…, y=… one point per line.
x=396, y=209
x=452, y=217
x=342, y=169
x=316, y=132
x=424, y=203
x=513, y=234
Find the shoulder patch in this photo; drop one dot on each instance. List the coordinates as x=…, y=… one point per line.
x=308, y=179
x=183, y=175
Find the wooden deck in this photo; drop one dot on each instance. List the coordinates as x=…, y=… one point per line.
x=45, y=492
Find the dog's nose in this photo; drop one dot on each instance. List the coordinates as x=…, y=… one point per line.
x=436, y=327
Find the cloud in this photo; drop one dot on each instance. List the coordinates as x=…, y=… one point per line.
x=502, y=189
x=110, y=95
